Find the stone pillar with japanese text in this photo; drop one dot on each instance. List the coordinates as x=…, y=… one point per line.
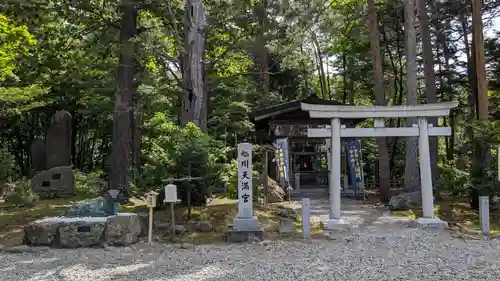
x=245, y=219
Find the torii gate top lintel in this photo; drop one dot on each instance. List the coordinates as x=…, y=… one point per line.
x=343, y=111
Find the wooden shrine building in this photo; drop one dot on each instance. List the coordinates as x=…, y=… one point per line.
x=307, y=157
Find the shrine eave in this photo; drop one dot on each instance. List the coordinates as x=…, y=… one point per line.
x=287, y=107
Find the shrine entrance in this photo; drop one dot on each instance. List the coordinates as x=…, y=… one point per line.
x=423, y=130
x=306, y=162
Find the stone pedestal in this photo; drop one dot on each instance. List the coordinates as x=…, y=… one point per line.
x=430, y=223
x=120, y=230
x=245, y=230
x=245, y=223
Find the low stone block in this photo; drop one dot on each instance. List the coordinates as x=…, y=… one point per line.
x=82, y=232
x=335, y=225
x=122, y=229
x=200, y=226
x=286, y=225
x=430, y=223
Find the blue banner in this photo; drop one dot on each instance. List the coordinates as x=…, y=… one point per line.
x=282, y=155
x=353, y=156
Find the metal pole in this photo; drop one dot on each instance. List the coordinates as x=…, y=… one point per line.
x=266, y=183
x=173, y=218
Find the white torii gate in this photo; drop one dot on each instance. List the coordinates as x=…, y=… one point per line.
x=423, y=130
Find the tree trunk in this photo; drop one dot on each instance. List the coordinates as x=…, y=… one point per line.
x=344, y=84
x=383, y=157
x=194, y=96
x=430, y=86
x=321, y=71
x=121, y=143
x=482, y=83
x=447, y=87
x=412, y=182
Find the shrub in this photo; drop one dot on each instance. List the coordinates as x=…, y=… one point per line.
x=21, y=195
x=171, y=151
x=89, y=185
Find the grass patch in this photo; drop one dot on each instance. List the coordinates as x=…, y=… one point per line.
x=12, y=219
x=457, y=210
x=220, y=213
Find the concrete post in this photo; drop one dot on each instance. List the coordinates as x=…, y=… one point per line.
x=335, y=175
x=425, y=169
x=484, y=214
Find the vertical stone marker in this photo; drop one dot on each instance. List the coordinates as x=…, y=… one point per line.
x=245, y=224
x=245, y=200
x=38, y=159
x=58, y=141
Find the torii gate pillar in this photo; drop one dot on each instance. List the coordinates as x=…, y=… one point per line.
x=423, y=130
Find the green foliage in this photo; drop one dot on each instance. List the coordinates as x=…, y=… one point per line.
x=454, y=180
x=14, y=41
x=174, y=152
x=21, y=195
x=89, y=185
x=6, y=166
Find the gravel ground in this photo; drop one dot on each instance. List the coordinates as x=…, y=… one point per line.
x=407, y=254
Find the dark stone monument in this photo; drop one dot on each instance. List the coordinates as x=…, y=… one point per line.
x=54, y=183
x=38, y=157
x=58, y=141
x=51, y=160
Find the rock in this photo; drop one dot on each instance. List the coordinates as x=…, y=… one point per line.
x=286, y=225
x=23, y=249
x=144, y=219
x=405, y=201
x=200, y=226
x=184, y=246
x=85, y=232
x=97, y=207
x=42, y=232
x=166, y=228
x=275, y=193
x=55, y=182
x=266, y=242
x=123, y=229
x=287, y=213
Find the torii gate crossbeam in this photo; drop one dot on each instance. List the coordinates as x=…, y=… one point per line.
x=423, y=130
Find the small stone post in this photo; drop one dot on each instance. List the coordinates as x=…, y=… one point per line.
x=306, y=218
x=484, y=214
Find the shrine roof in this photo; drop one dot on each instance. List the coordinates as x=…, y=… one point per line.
x=274, y=111
x=291, y=113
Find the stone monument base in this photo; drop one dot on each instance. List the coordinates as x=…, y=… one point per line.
x=432, y=223
x=120, y=230
x=245, y=230
x=335, y=224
